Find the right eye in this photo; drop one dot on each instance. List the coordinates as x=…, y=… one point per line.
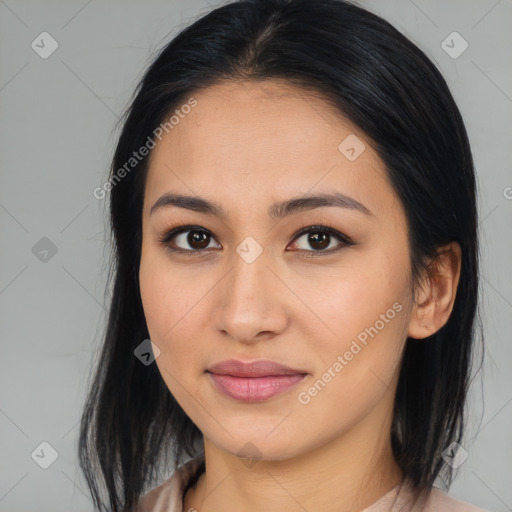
x=195, y=237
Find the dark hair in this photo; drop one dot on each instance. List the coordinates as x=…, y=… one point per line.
x=385, y=85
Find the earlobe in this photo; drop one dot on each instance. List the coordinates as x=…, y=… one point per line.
x=436, y=295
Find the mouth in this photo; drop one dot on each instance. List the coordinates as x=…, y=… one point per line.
x=255, y=381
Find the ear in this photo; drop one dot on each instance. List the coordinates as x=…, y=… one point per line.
x=436, y=295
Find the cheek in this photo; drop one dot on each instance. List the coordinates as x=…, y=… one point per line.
x=355, y=368
x=172, y=310
x=164, y=298
x=347, y=299
x=363, y=312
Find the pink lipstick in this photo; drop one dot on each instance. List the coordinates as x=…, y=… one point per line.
x=255, y=381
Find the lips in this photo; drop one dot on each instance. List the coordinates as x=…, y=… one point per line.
x=255, y=381
x=264, y=368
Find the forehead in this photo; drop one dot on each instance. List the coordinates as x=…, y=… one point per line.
x=251, y=138
x=249, y=114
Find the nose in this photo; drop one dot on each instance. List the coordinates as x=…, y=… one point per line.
x=251, y=303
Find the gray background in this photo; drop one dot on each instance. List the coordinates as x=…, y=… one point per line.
x=56, y=139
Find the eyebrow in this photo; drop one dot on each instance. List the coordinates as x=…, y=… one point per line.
x=276, y=211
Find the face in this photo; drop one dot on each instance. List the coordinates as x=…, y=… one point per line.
x=322, y=288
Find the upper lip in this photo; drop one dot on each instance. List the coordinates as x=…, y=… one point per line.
x=262, y=368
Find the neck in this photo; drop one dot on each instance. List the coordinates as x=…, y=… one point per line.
x=348, y=474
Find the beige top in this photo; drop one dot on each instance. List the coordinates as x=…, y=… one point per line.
x=168, y=497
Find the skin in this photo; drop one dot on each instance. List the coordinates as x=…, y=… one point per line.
x=246, y=145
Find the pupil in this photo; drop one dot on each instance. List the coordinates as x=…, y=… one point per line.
x=317, y=240
x=195, y=237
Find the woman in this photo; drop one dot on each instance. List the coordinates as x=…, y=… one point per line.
x=294, y=214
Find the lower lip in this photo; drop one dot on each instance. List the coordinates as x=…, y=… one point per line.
x=255, y=389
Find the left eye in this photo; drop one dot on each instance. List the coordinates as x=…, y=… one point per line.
x=320, y=238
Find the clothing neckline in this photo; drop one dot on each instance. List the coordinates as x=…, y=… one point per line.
x=395, y=498
x=403, y=497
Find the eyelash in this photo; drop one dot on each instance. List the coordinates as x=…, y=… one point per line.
x=166, y=238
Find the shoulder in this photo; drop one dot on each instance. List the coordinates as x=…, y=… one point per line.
x=168, y=496
x=436, y=500
x=439, y=501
